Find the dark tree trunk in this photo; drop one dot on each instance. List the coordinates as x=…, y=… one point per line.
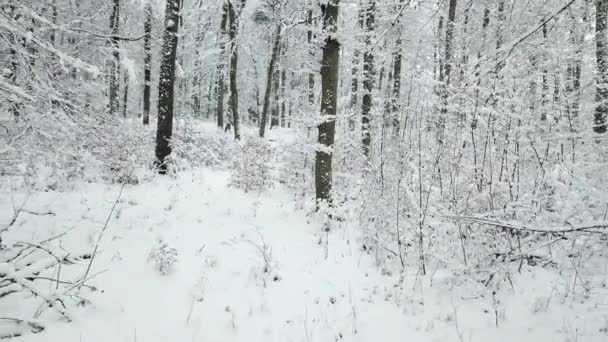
x=147, y=61
x=601, y=54
x=220, y=68
x=445, y=77
x=269, y=76
x=233, y=100
x=166, y=85
x=115, y=61
x=125, y=95
x=274, y=113
x=368, y=78
x=311, y=75
x=329, y=103
x=395, y=107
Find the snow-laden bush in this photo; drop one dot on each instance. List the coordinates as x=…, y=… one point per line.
x=196, y=145
x=163, y=256
x=251, y=165
x=56, y=152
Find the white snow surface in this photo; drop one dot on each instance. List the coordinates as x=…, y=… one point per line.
x=220, y=289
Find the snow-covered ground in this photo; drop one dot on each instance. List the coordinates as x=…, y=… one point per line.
x=251, y=267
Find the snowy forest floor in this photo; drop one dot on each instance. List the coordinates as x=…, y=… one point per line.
x=251, y=267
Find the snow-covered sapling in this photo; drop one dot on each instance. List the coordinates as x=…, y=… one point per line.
x=163, y=256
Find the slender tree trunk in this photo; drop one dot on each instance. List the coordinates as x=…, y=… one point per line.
x=545, y=82
x=274, y=112
x=166, y=85
x=125, y=95
x=233, y=100
x=147, y=61
x=445, y=77
x=329, y=103
x=220, y=67
x=269, y=76
x=115, y=62
x=368, y=78
x=601, y=55
x=395, y=106
x=354, y=94
x=311, y=75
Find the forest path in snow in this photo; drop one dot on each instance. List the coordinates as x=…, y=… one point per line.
x=250, y=267
x=253, y=267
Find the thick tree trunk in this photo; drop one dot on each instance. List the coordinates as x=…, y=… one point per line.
x=115, y=61
x=233, y=100
x=147, y=61
x=220, y=68
x=166, y=85
x=601, y=55
x=269, y=76
x=329, y=103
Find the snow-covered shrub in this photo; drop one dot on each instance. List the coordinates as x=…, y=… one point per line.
x=196, y=145
x=251, y=165
x=163, y=256
x=55, y=155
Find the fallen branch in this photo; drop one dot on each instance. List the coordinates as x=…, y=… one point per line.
x=33, y=327
x=596, y=228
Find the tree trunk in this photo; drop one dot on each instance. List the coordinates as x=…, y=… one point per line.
x=368, y=79
x=166, y=85
x=269, y=76
x=445, y=77
x=545, y=82
x=125, y=94
x=233, y=100
x=601, y=55
x=115, y=62
x=329, y=103
x=220, y=68
x=395, y=107
x=354, y=90
x=147, y=61
x=311, y=75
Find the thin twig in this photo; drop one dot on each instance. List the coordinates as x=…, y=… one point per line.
x=105, y=226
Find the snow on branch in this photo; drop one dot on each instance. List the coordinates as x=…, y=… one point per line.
x=596, y=228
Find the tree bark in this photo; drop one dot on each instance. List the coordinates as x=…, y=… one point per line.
x=445, y=77
x=147, y=61
x=220, y=67
x=115, y=61
x=125, y=94
x=311, y=75
x=233, y=100
x=368, y=79
x=166, y=85
x=395, y=107
x=601, y=55
x=269, y=76
x=354, y=90
x=329, y=103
